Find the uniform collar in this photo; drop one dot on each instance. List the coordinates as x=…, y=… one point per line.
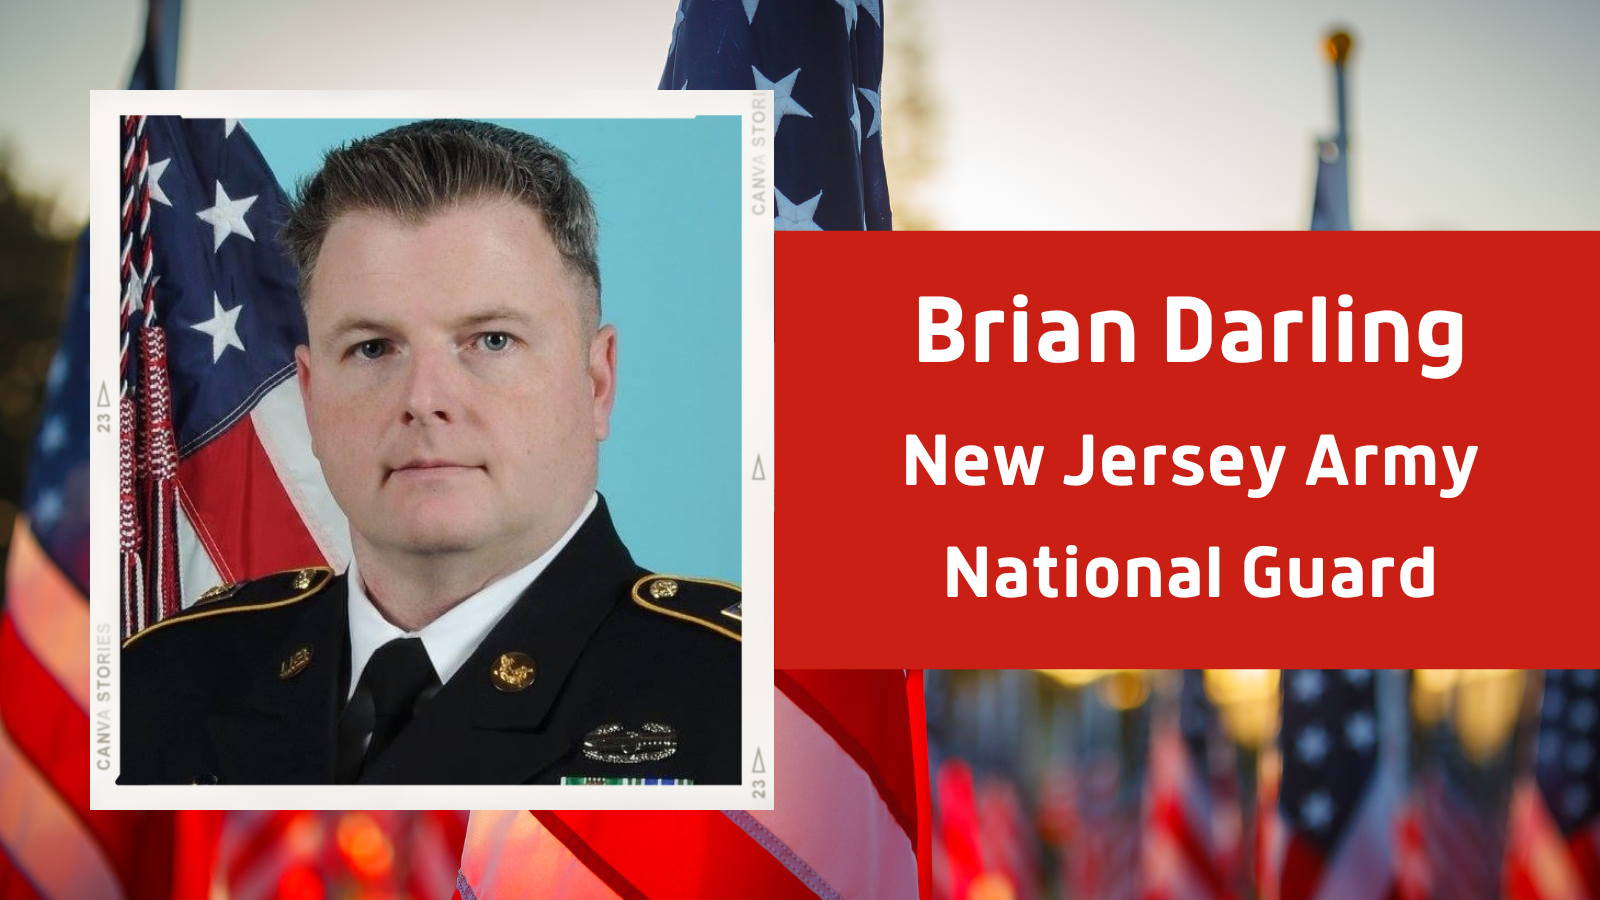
x=451, y=638
x=479, y=730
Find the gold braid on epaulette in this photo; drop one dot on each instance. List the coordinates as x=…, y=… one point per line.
x=315, y=578
x=653, y=605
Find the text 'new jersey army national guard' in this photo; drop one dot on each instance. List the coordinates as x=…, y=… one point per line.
x=492, y=628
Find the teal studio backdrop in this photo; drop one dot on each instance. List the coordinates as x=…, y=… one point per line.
x=667, y=191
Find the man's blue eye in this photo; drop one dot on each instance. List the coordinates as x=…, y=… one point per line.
x=371, y=349
x=496, y=341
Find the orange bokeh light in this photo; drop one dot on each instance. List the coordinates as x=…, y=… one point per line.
x=365, y=847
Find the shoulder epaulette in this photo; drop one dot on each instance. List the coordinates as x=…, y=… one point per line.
x=267, y=592
x=706, y=602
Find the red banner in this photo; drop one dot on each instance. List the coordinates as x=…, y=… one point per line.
x=1195, y=483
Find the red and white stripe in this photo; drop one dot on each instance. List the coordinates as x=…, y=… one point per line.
x=1103, y=863
x=286, y=519
x=844, y=828
x=53, y=845
x=433, y=853
x=1540, y=863
x=958, y=838
x=1465, y=846
x=257, y=847
x=1009, y=842
x=1180, y=862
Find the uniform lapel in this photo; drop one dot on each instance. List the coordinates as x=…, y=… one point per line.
x=472, y=732
x=283, y=732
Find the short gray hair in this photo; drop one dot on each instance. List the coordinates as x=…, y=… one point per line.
x=416, y=170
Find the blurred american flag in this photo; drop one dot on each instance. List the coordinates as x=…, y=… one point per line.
x=52, y=846
x=1337, y=800
x=1186, y=855
x=1555, y=825
x=823, y=61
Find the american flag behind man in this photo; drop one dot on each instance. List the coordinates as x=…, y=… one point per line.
x=219, y=482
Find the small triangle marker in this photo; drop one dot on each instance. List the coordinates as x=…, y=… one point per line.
x=760, y=768
x=105, y=399
x=760, y=474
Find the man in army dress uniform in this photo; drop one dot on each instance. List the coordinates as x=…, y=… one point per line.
x=491, y=628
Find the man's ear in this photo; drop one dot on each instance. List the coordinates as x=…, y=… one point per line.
x=302, y=374
x=603, y=378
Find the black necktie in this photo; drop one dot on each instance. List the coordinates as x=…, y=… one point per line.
x=398, y=679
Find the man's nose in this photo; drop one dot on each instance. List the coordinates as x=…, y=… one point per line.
x=432, y=388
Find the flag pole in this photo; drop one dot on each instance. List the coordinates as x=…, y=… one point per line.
x=1339, y=45
x=1330, y=210
x=156, y=67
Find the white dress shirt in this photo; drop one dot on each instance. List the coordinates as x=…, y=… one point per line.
x=452, y=637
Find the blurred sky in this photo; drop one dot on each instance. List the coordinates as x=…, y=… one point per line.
x=1056, y=113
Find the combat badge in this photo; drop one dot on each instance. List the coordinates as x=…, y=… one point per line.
x=612, y=743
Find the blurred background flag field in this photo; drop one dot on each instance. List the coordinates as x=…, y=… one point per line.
x=1320, y=784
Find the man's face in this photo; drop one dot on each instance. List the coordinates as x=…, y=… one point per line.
x=453, y=386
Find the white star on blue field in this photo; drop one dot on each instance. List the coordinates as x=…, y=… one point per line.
x=227, y=217
x=796, y=216
x=157, y=169
x=877, y=110
x=223, y=326
x=851, y=13
x=782, y=102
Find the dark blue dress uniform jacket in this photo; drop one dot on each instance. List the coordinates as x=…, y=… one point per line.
x=225, y=692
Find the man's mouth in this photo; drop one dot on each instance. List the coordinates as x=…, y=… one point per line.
x=424, y=468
